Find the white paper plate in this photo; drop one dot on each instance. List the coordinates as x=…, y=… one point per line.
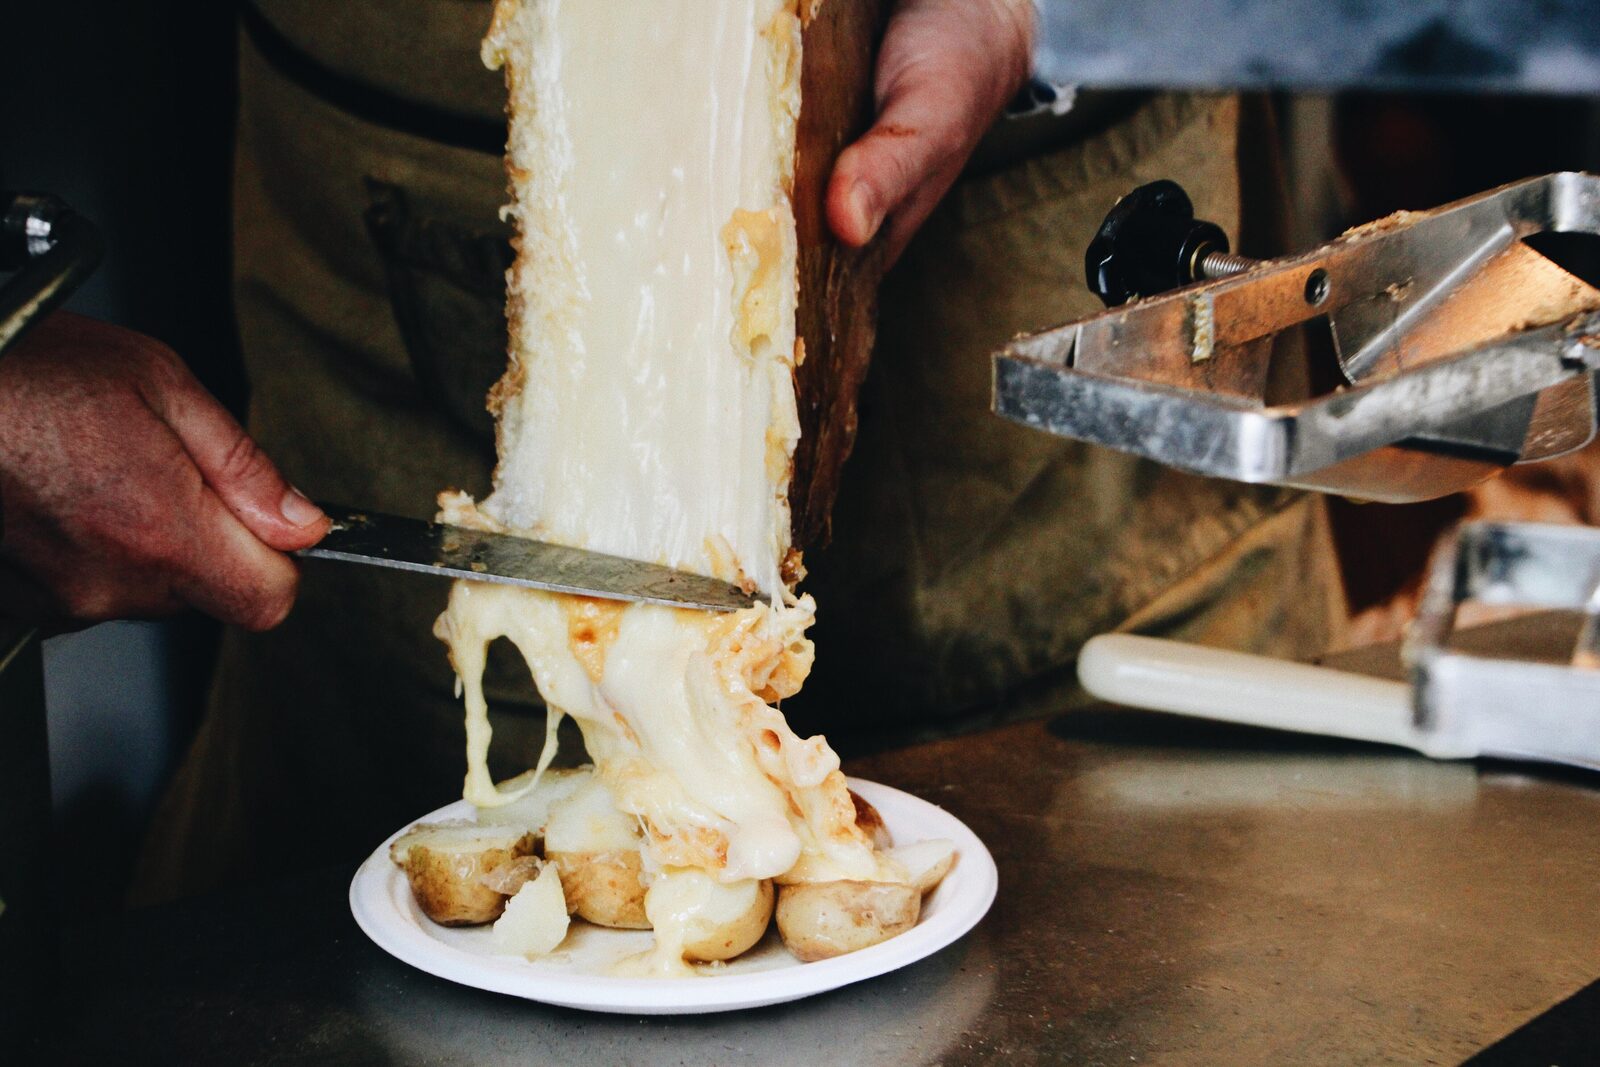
x=576, y=976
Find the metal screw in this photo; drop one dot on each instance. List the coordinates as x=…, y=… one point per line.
x=1317, y=287
x=1223, y=265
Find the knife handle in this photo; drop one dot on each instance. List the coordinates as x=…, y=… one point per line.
x=1210, y=683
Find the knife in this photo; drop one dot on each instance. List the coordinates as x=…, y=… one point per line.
x=361, y=536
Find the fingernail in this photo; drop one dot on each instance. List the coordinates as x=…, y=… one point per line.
x=298, y=510
x=866, y=209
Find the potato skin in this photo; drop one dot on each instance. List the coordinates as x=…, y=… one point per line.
x=446, y=887
x=606, y=888
x=869, y=822
x=736, y=937
x=820, y=920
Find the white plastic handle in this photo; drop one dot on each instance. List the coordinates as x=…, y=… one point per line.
x=1210, y=683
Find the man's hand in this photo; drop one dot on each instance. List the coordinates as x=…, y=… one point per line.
x=946, y=70
x=126, y=490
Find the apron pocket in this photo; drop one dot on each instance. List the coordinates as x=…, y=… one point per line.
x=447, y=288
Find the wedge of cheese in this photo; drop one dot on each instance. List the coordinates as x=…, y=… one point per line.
x=650, y=410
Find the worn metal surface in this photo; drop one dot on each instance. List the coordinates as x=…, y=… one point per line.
x=1468, y=702
x=1465, y=351
x=1534, y=45
x=360, y=536
x=1171, y=892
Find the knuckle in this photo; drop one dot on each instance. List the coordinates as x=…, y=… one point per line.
x=905, y=171
x=147, y=535
x=152, y=359
x=155, y=371
x=87, y=599
x=243, y=462
x=847, y=168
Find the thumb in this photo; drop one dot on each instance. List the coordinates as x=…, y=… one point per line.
x=235, y=467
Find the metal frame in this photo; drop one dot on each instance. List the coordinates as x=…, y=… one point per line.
x=1439, y=397
x=1217, y=435
x=1467, y=703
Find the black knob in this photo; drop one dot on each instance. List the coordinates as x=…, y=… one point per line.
x=1150, y=243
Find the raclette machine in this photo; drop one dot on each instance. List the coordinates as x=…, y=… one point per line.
x=1460, y=349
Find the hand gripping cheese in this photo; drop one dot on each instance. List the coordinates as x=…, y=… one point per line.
x=650, y=410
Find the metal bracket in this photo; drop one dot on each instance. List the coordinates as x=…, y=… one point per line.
x=1509, y=706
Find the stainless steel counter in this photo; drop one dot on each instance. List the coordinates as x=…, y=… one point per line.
x=1171, y=892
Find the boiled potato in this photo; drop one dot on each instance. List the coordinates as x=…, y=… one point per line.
x=705, y=920
x=820, y=920
x=732, y=925
x=596, y=848
x=535, y=918
x=926, y=862
x=532, y=810
x=871, y=823
x=587, y=820
x=446, y=864
x=606, y=888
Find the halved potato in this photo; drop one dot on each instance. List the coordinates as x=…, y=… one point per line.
x=596, y=848
x=535, y=918
x=926, y=862
x=820, y=920
x=508, y=878
x=447, y=863
x=532, y=811
x=606, y=888
x=587, y=820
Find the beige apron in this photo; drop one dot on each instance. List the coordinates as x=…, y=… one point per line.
x=970, y=557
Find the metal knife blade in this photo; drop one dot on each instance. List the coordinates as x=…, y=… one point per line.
x=362, y=536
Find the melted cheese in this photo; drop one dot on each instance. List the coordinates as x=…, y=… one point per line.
x=684, y=906
x=679, y=728
x=649, y=411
